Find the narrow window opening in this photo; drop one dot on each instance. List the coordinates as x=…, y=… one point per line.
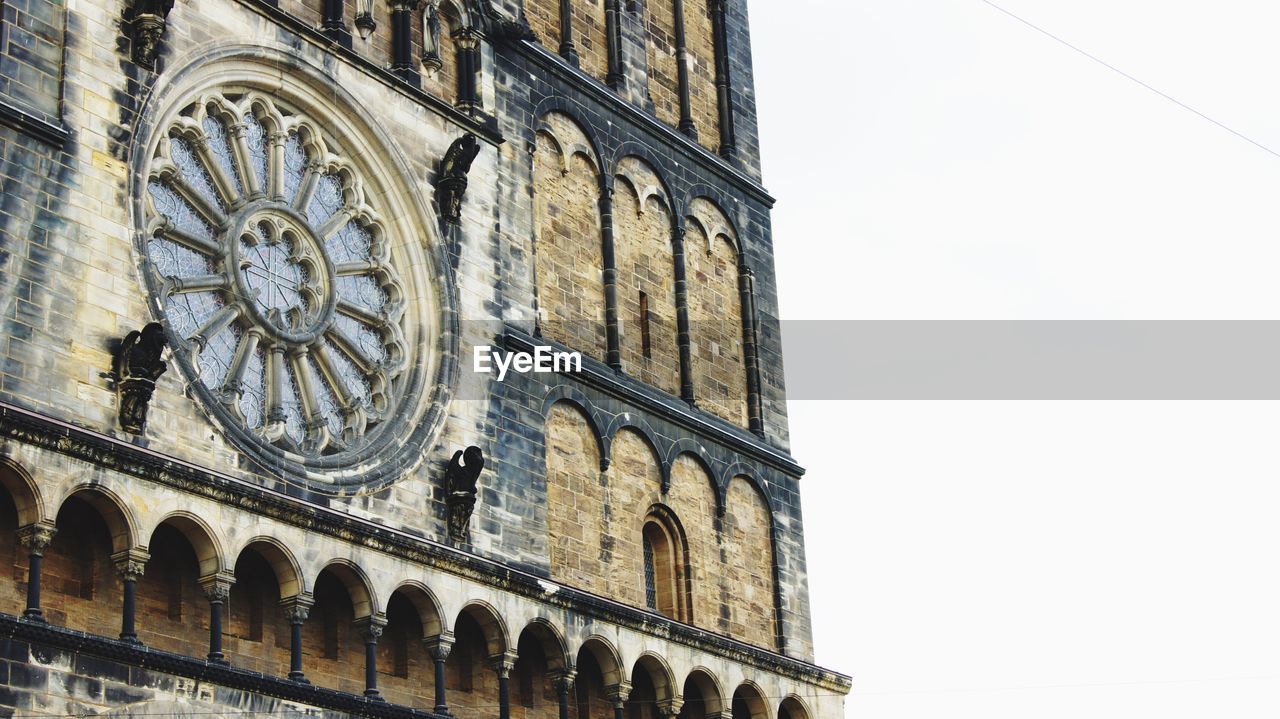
x=650, y=576
x=255, y=617
x=645, y=343
x=86, y=576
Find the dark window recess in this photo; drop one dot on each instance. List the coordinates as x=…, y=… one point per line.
x=86, y=575
x=645, y=343
x=401, y=648
x=650, y=577
x=175, y=597
x=255, y=617
x=330, y=636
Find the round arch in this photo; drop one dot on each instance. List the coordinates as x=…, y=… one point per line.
x=706, y=684
x=606, y=656
x=21, y=486
x=496, y=637
x=659, y=673
x=749, y=702
x=359, y=589
x=793, y=707
x=424, y=602
x=114, y=512
x=284, y=566
x=208, y=549
x=552, y=642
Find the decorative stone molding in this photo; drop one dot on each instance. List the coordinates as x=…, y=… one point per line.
x=217, y=587
x=35, y=538
x=150, y=19
x=439, y=645
x=451, y=180
x=138, y=364
x=503, y=663
x=460, y=482
x=131, y=564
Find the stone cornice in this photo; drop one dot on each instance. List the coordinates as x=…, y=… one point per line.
x=38, y=430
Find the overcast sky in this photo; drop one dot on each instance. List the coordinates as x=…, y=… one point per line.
x=938, y=159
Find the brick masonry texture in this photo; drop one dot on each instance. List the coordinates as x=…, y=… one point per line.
x=574, y=466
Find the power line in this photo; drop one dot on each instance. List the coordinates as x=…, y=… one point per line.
x=1131, y=78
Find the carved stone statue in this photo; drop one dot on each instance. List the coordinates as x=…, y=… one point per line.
x=431, y=37
x=138, y=364
x=149, y=20
x=451, y=181
x=460, y=481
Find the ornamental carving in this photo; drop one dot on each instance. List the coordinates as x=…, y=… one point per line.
x=275, y=272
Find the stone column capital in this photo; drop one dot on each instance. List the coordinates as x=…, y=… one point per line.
x=503, y=663
x=439, y=645
x=670, y=707
x=297, y=608
x=562, y=679
x=35, y=537
x=371, y=627
x=131, y=563
x=217, y=587
x=618, y=693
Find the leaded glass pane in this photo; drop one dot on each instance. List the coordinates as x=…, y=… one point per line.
x=351, y=243
x=352, y=378
x=216, y=358
x=194, y=172
x=273, y=277
x=176, y=260
x=326, y=201
x=188, y=312
x=362, y=290
x=295, y=166
x=650, y=577
x=329, y=407
x=362, y=336
x=295, y=422
x=180, y=212
x=220, y=145
x=259, y=149
x=253, y=390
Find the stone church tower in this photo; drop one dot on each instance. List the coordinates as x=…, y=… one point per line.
x=252, y=251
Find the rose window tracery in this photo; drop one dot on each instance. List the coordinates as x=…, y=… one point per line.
x=275, y=275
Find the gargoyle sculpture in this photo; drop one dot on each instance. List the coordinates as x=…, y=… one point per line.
x=150, y=18
x=460, y=481
x=451, y=182
x=138, y=364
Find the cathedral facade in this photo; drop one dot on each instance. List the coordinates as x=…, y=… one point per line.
x=276, y=438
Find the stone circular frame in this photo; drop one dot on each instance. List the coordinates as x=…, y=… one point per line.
x=313, y=330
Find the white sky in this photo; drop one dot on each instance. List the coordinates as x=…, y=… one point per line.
x=936, y=159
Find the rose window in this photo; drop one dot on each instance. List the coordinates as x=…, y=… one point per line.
x=275, y=275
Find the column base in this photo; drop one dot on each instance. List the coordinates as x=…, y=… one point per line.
x=299, y=677
x=34, y=615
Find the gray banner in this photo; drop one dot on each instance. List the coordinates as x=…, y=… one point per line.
x=1216, y=359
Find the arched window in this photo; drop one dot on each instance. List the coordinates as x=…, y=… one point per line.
x=666, y=573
